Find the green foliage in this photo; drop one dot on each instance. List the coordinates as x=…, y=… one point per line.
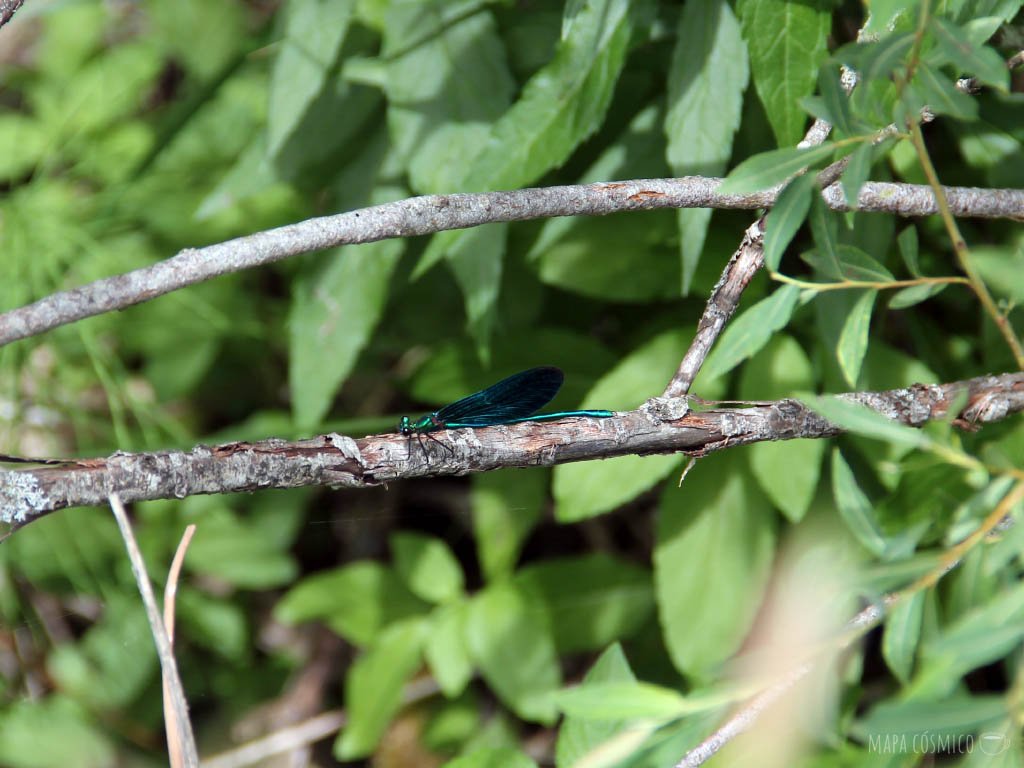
x=131, y=131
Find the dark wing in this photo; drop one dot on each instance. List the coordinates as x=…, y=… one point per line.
x=516, y=397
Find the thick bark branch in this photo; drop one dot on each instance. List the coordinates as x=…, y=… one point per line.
x=656, y=427
x=436, y=213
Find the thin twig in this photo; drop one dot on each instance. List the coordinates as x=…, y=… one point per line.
x=724, y=299
x=436, y=213
x=8, y=8
x=170, y=592
x=307, y=732
x=163, y=644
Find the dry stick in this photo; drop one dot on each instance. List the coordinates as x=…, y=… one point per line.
x=435, y=213
x=725, y=297
x=8, y=8
x=864, y=621
x=307, y=732
x=174, y=744
x=163, y=644
x=334, y=460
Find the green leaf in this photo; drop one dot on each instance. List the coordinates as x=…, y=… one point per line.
x=983, y=635
x=52, y=731
x=835, y=100
x=427, y=566
x=979, y=60
x=718, y=517
x=915, y=294
x=855, y=264
x=788, y=470
x=955, y=716
x=787, y=42
x=506, y=508
x=902, y=635
x=589, y=488
x=373, y=687
x=861, y=420
x=25, y=142
x=638, y=152
x=853, y=340
x=579, y=261
x=477, y=266
x=232, y=549
x=356, y=600
x=907, y=242
x=621, y=701
x=751, y=330
x=204, y=35
x=313, y=34
x=217, y=624
x=1001, y=268
x=941, y=94
x=765, y=170
x=113, y=663
x=578, y=736
x=706, y=81
x=334, y=312
x=592, y=600
x=786, y=216
x=510, y=640
x=560, y=106
x=446, y=82
x=856, y=173
x=854, y=507
x=446, y=650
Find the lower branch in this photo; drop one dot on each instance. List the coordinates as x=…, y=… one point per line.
x=334, y=460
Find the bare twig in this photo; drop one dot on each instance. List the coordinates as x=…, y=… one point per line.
x=307, y=732
x=163, y=645
x=175, y=747
x=744, y=264
x=8, y=8
x=437, y=213
x=333, y=460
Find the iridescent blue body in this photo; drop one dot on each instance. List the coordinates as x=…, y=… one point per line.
x=510, y=401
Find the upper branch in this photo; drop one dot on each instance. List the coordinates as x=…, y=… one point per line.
x=435, y=213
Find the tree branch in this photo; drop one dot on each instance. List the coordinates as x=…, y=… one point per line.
x=436, y=213
x=334, y=460
x=8, y=8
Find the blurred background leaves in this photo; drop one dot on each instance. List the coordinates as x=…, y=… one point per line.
x=130, y=131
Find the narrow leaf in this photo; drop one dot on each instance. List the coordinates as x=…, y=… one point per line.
x=862, y=420
x=853, y=340
x=854, y=507
x=719, y=516
x=787, y=42
x=707, y=78
x=767, y=169
x=373, y=687
x=751, y=330
x=510, y=641
x=334, y=311
x=313, y=33
x=786, y=217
